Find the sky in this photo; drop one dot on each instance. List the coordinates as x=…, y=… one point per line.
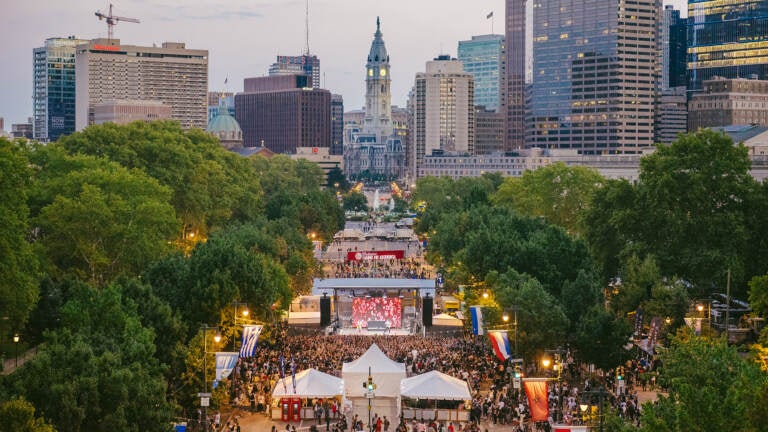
x=244, y=37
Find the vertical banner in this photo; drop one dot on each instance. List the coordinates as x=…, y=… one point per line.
x=639, y=322
x=536, y=391
x=293, y=374
x=250, y=338
x=282, y=372
x=476, y=312
x=500, y=344
x=653, y=333
x=225, y=363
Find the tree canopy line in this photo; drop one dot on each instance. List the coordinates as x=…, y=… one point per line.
x=118, y=242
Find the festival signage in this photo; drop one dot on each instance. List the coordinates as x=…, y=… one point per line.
x=375, y=255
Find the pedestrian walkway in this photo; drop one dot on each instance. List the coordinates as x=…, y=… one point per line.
x=11, y=364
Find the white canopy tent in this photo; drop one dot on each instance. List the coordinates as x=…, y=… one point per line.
x=310, y=383
x=386, y=373
x=435, y=385
x=446, y=320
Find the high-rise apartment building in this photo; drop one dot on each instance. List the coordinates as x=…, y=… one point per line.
x=591, y=82
x=54, y=88
x=105, y=70
x=483, y=57
x=444, y=111
x=306, y=64
x=728, y=39
x=283, y=113
x=337, y=125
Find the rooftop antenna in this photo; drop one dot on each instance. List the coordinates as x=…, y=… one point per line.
x=306, y=28
x=112, y=20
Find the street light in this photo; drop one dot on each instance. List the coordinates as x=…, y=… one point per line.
x=244, y=314
x=557, y=365
x=205, y=396
x=16, y=339
x=600, y=393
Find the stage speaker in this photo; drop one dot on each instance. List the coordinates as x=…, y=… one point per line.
x=426, y=311
x=325, y=311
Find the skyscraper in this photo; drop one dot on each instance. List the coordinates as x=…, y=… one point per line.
x=171, y=74
x=483, y=57
x=305, y=64
x=672, y=49
x=591, y=81
x=518, y=13
x=727, y=39
x=54, y=88
x=444, y=111
x=337, y=125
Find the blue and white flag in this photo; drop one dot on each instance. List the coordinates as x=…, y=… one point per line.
x=282, y=372
x=225, y=363
x=250, y=338
x=476, y=313
x=293, y=374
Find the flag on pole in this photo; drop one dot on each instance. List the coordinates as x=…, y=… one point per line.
x=489, y=16
x=536, y=391
x=250, y=338
x=477, y=319
x=225, y=363
x=293, y=374
x=226, y=80
x=282, y=372
x=500, y=344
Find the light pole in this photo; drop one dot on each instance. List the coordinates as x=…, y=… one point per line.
x=205, y=396
x=600, y=393
x=16, y=339
x=557, y=365
x=244, y=318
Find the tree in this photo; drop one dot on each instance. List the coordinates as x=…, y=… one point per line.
x=18, y=265
x=557, y=192
x=758, y=294
x=601, y=337
x=19, y=416
x=690, y=212
x=355, y=201
x=337, y=181
x=98, y=220
x=98, y=371
x=711, y=388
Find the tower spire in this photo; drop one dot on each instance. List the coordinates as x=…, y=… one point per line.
x=306, y=28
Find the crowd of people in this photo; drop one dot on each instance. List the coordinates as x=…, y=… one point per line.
x=404, y=268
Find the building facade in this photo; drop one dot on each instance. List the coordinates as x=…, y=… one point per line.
x=726, y=102
x=727, y=39
x=489, y=131
x=306, y=64
x=671, y=114
x=54, y=88
x=172, y=74
x=282, y=114
x=672, y=40
x=483, y=57
x=444, y=111
x=126, y=111
x=337, y=125
x=518, y=56
x=593, y=75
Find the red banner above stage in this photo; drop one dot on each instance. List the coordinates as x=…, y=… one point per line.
x=375, y=255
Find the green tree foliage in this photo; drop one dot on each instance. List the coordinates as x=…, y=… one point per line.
x=337, y=180
x=711, y=388
x=98, y=371
x=442, y=195
x=541, y=320
x=97, y=219
x=758, y=294
x=601, y=337
x=557, y=192
x=19, y=416
x=209, y=184
x=18, y=265
x=355, y=201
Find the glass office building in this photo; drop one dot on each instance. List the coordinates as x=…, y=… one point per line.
x=483, y=57
x=590, y=82
x=54, y=88
x=727, y=38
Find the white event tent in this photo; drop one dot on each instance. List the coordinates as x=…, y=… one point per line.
x=386, y=373
x=435, y=385
x=310, y=383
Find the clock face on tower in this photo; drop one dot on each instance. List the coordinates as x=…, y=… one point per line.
x=383, y=72
x=370, y=72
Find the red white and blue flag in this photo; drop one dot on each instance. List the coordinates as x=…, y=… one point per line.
x=500, y=344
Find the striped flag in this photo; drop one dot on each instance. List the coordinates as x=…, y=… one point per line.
x=282, y=372
x=293, y=374
x=536, y=391
x=476, y=313
x=225, y=362
x=250, y=338
x=489, y=16
x=500, y=344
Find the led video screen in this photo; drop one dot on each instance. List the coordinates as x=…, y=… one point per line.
x=377, y=309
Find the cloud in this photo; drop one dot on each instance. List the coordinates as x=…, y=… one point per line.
x=173, y=13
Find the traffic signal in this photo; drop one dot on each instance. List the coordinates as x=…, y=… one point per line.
x=369, y=385
x=620, y=373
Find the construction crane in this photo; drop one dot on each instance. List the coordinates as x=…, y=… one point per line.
x=112, y=20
